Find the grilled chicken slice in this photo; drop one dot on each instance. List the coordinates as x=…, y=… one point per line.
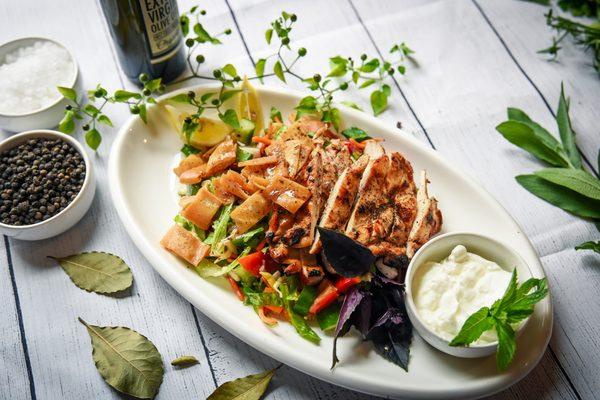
x=301, y=234
x=428, y=221
x=341, y=199
x=385, y=208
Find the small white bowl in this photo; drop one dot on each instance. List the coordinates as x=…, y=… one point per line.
x=47, y=117
x=439, y=248
x=73, y=212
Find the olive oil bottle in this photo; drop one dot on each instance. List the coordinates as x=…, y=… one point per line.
x=147, y=37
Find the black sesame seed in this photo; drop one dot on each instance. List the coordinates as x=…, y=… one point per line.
x=38, y=179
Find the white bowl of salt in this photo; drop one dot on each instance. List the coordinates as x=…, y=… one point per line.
x=30, y=70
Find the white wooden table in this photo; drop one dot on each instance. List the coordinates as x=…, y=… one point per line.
x=476, y=57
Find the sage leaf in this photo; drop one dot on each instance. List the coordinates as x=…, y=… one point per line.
x=574, y=179
x=97, y=272
x=251, y=387
x=126, y=360
x=523, y=136
x=473, y=328
x=516, y=114
x=184, y=361
x=560, y=196
x=567, y=136
x=595, y=246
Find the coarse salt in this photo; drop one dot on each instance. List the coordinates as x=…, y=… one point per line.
x=29, y=77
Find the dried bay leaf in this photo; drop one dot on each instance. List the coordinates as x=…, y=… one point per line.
x=126, y=360
x=184, y=361
x=251, y=387
x=97, y=272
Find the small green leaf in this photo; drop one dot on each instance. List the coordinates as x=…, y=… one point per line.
x=595, y=246
x=369, y=66
x=184, y=22
x=561, y=197
x=386, y=90
x=402, y=69
x=68, y=93
x=251, y=387
x=575, y=179
x=338, y=65
x=126, y=360
x=153, y=85
x=230, y=118
x=507, y=346
x=143, y=113
x=333, y=116
x=260, y=68
x=91, y=110
x=103, y=119
x=226, y=95
x=180, y=98
x=206, y=96
x=378, y=102
x=356, y=133
x=351, y=105
x=230, y=70
x=184, y=361
x=278, y=70
x=479, y=322
x=93, y=139
x=67, y=125
x=268, y=35
x=567, y=136
x=510, y=294
x=367, y=83
x=275, y=114
x=97, y=272
x=121, y=96
x=523, y=136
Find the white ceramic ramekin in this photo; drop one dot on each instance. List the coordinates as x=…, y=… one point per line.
x=439, y=248
x=47, y=117
x=74, y=210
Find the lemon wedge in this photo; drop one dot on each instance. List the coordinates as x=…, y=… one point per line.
x=209, y=132
x=248, y=105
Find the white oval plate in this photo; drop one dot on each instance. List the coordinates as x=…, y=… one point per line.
x=140, y=176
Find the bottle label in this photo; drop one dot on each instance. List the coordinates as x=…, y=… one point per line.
x=161, y=22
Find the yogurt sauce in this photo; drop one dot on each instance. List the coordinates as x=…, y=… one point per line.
x=446, y=293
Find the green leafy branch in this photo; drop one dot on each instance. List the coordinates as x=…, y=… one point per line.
x=91, y=114
x=565, y=184
x=516, y=304
x=343, y=72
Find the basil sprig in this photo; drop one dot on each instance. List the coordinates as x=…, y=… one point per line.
x=516, y=305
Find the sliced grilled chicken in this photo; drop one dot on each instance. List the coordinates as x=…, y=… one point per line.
x=385, y=207
x=428, y=221
x=341, y=199
x=301, y=234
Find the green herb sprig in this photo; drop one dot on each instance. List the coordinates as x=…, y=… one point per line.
x=343, y=72
x=566, y=184
x=92, y=114
x=516, y=304
x=585, y=35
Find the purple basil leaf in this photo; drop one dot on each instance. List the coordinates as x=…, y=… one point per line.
x=345, y=256
x=352, y=301
x=393, y=316
x=392, y=342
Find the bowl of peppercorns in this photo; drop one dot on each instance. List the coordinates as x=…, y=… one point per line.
x=47, y=184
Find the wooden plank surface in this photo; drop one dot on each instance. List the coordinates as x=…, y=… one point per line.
x=443, y=101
